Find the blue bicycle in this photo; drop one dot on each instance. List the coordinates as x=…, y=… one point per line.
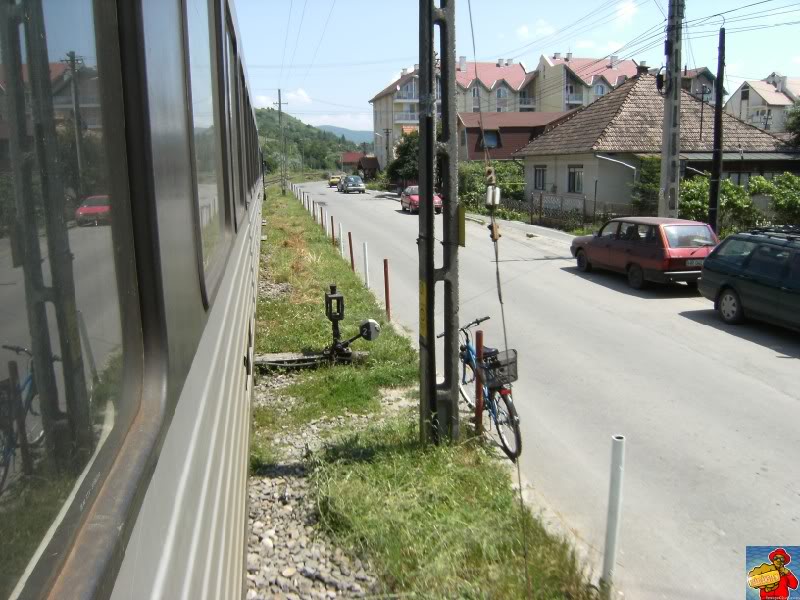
x=498, y=370
x=9, y=434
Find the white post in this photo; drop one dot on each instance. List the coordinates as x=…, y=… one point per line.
x=341, y=239
x=614, y=513
x=366, y=266
x=325, y=221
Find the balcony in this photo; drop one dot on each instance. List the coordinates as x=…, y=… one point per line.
x=526, y=102
x=574, y=98
x=406, y=117
x=406, y=97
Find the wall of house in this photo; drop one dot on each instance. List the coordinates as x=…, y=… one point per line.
x=383, y=118
x=550, y=87
x=614, y=181
x=556, y=178
x=748, y=111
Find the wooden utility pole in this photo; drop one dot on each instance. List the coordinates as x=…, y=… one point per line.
x=280, y=104
x=73, y=63
x=386, y=133
x=716, y=164
x=668, y=196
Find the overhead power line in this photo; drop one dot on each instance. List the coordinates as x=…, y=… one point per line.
x=297, y=38
x=319, y=43
x=285, y=40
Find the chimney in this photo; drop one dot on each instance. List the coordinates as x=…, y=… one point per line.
x=509, y=62
x=403, y=72
x=614, y=61
x=499, y=62
x=462, y=63
x=556, y=54
x=569, y=55
x=642, y=68
x=416, y=66
x=782, y=81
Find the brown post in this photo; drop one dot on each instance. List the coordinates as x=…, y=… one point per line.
x=478, y=383
x=352, y=260
x=541, y=206
x=19, y=416
x=333, y=233
x=386, y=297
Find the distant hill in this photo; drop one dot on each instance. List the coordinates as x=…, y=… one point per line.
x=304, y=143
x=358, y=137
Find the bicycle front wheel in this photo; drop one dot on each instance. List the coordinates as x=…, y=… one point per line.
x=507, y=423
x=467, y=386
x=33, y=421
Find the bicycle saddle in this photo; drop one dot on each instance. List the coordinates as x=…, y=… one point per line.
x=489, y=352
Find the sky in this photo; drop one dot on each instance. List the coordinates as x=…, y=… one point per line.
x=329, y=57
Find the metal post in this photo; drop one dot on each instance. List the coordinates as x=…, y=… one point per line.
x=478, y=383
x=668, y=196
x=352, y=260
x=594, y=206
x=386, y=298
x=333, y=233
x=87, y=345
x=541, y=207
x=18, y=413
x=614, y=513
x=530, y=217
x=366, y=265
x=341, y=240
x=716, y=164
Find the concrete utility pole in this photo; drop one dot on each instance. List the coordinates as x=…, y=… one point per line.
x=386, y=133
x=668, y=195
x=73, y=63
x=716, y=164
x=438, y=403
x=280, y=104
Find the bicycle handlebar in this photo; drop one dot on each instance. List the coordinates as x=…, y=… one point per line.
x=18, y=349
x=477, y=321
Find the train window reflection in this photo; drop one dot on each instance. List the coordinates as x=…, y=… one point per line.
x=205, y=127
x=60, y=318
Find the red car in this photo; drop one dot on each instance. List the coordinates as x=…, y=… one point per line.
x=647, y=249
x=409, y=200
x=93, y=211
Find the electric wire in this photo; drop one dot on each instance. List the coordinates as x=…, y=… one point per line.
x=319, y=43
x=285, y=40
x=502, y=307
x=297, y=37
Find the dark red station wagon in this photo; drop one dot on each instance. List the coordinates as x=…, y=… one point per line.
x=647, y=249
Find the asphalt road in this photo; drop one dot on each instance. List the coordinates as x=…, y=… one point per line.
x=709, y=411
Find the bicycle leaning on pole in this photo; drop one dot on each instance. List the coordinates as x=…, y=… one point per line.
x=498, y=369
x=10, y=436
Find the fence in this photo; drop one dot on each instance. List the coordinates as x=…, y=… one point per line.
x=570, y=211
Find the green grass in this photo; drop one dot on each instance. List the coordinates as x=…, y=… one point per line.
x=26, y=515
x=299, y=254
x=438, y=522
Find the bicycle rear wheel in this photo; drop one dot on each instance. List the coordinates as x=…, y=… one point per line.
x=467, y=386
x=507, y=423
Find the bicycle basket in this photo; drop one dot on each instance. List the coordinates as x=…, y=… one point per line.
x=500, y=370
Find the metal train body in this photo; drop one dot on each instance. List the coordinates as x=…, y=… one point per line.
x=139, y=488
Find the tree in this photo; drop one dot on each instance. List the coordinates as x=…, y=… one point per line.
x=793, y=123
x=736, y=208
x=647, y=185
x=405, y=166
x=785, y=193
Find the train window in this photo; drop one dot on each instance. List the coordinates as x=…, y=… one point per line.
x=68, y=283
x=233, y=130
x=205, y=126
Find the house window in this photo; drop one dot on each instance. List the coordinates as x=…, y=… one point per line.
x=599, y=90
x=575, y=179
x=570, y=88
x=476, y=99
x=539, y=177
x=746, y=94
x=491, y=139
x=502, y=100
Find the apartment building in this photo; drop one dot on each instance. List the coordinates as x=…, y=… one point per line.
x=764, y=103
x=500, y=86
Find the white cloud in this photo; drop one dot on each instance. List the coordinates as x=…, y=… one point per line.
x=625, y=13
x=263, y=101
x=357, y=121
x=298, y=96
x=523, y=32
x=583, y=44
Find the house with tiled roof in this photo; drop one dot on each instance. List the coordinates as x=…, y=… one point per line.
x=764, y=102
x=349, y=161
x=502, y=134
x=597, y=150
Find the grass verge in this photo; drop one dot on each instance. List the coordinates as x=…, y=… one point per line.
x=439, y=522
x=436, y=522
